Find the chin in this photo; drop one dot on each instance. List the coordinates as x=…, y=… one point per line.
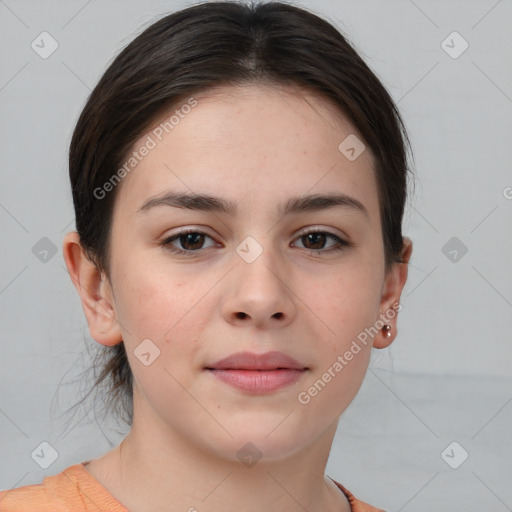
x=262, y=442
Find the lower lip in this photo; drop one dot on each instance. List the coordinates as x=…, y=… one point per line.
x=258, y=381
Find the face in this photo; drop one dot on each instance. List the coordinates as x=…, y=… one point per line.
x=265, y=276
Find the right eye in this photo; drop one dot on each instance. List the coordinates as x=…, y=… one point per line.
x=191, y=240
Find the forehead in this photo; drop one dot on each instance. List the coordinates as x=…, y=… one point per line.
x=251, y=142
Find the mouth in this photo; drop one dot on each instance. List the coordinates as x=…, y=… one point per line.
x=258, y=373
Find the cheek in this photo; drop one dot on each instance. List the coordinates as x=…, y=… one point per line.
x=151, y=301
x=158, y=309
x=164, y=307
x=347, y=305
x=342, y=353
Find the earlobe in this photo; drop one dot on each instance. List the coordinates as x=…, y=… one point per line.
x=394, y=283
x=94, y=290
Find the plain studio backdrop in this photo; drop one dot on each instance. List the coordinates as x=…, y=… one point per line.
x=430, y=428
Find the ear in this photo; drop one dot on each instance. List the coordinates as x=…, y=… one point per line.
x=394, y=283
x=95, y=292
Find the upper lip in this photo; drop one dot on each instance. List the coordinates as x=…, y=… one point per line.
x=252, y=361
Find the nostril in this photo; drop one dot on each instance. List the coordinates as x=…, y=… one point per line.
x=278, y=315
x=241, y=314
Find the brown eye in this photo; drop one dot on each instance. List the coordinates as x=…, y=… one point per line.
x=190, y=241
x=315, y=241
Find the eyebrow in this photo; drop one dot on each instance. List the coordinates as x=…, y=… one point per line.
x=295, y=205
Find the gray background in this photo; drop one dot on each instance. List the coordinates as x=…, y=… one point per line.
x=447, y=377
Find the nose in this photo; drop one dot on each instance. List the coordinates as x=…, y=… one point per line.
x=259, y=293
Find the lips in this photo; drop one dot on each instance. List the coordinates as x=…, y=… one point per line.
x=257, y=373
x=251, y=361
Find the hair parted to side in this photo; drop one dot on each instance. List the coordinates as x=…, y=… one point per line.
x=213, y=44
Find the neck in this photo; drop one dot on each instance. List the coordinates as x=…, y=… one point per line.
x=154, y=469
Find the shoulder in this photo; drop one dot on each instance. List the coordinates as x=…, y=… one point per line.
x=355, y=504
x=56, y=493
x=72, y=489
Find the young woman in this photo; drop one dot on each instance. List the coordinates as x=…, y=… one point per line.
x=239, y=178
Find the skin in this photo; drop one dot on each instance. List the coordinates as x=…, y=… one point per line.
x=257, y=146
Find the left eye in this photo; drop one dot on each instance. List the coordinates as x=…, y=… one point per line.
x=318, y=238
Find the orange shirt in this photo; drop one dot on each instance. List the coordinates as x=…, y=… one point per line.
x=76, y=490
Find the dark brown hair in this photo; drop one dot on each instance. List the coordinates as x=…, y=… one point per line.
x=212, y=44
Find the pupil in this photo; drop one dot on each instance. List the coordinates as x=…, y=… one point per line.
x=316, y=236
x=189, y=240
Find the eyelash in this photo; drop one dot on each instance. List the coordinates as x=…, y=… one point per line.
x=340, y=246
